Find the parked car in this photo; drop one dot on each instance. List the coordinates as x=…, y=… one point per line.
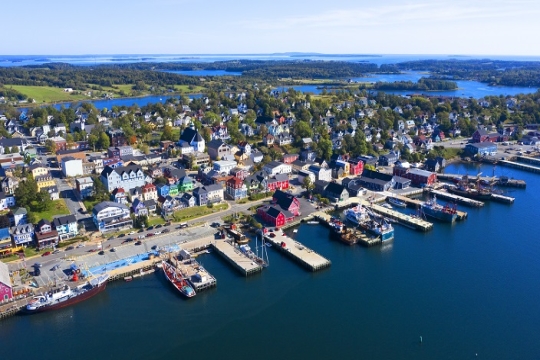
x=46, y=253
x=158, y=226
x=157, y=233
x=138, y=242
x=272, y=235
x=69, y=248
x=56, y=251
x=149, y=234
x=131, y=232
x=92, y=250
x=166, y=231
x=80, y=246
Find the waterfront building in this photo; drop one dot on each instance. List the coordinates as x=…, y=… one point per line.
x=111, y=216
x=287, y=202
x=482, y=149
x=23, y=234
x=6, y=288
x=275, y=216
x=336, y=192
x=418, y=177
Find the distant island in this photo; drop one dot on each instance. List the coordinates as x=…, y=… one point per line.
x=424, y=84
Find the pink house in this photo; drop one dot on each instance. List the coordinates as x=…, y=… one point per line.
x=6, y=292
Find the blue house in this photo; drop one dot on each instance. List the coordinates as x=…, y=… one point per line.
x=66, y=226
x=163, y=190
x=23, y=234
x=139, y=208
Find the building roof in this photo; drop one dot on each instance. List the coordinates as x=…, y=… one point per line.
x=4, y=233
x=273, y=164
x=85, y=180
x=64, y=220
x=283, y=199
x=275, y=210
x=215, y=144
x=4, y=274
x=189, y=135
x=105, y=204
x=483, y=145
x=120, y=170
x=335, y=188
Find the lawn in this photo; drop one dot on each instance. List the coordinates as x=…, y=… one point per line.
x=197, y=211
x=28, y=252
x=186, y=89
x=47, y=93
x=155, y=220
x=59, y=208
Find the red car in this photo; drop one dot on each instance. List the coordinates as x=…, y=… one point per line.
x=46, y=253
x=272, y=235
x=149, y=234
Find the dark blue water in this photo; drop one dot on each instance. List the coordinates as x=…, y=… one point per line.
x=466, y=88
x=468, y=288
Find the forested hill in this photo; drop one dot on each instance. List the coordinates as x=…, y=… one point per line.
x=492, y=72
x=272, y=69
x=77, y=77
x=423, y=84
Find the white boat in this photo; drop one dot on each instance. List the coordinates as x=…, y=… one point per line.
x=386, y=205
x=356, y=214
x=396, y=202
x=313, y=222
x=295, y=231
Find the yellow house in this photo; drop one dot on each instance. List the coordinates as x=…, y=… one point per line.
x=38, y=170
x=44, y=181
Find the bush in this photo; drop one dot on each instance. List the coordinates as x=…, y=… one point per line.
x=210, y=205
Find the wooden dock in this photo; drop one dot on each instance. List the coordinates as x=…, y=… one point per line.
x=237, y=258
x=456, y=198
x=528, y=160
x=520, y=166
x=298, y=252
x=197, y=275
x=503, y=198
x=406, y=220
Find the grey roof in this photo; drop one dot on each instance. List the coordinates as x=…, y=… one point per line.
x=4, y=274
x=189, y=134
x=273, y=164
x=215, y=144
x=12, y=142
x=121, y=169
x=105, y=204
x=335, y=188
x=64, y=220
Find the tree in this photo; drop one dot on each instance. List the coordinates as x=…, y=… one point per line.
x=167, y=133
x=104, y=141
x=302, y=129
x=324, y=148
x=50, y=146
x=26, y=191
x=93, y=141
x=308, y=184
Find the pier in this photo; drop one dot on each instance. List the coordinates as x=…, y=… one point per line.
x=528, y=160
x=455, y=198
x=406, y=220
x=499, y=181
x=197, y=275
x=237, y=258
x=295, y=250
x=520, y=166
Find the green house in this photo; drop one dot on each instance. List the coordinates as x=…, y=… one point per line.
x=185, y=184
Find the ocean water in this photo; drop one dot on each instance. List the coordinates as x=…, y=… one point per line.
x=468, y=288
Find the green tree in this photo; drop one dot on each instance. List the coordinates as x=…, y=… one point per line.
x=93, y=141
x=104, y=141
x=308, y=184
x=167, y=133
x=324, y=148
x=50, y=146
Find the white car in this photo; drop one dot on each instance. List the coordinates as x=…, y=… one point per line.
x=157, y=233
x=131, y=232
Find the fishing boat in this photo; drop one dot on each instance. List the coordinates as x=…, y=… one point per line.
x=374, y=224
x=61, y=295
x=396, y=202
x=476, y=192
x=177, y=279
x=443, y=213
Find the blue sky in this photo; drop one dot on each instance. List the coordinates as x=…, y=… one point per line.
x=487, y=27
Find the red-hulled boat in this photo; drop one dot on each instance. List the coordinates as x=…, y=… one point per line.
x=177, y=279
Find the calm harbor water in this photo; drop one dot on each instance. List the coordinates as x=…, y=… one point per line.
x=465, y=88
x=468, y=288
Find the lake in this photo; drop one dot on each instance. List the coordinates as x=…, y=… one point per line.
x=467, y=288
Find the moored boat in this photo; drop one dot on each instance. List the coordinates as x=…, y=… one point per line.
x=443, y=213
x=396, y=202
x=62, y=295
x=177, y=279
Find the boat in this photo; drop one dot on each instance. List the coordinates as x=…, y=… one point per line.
x=61, y=295
x=443, y=213
x=268, y=244
x=396, y=202
x=386, y=205
x=177, y=279
x=374, y=224
x=313, y=222
x=295, y=231
x=464, y=189
x=356, y=214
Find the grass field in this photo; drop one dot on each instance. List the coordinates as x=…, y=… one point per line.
x=59, y=208
x=46, y=93
x=185, y=88
x=197, y=211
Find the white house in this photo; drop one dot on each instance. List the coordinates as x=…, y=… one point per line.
x=321, y=173
x=126, y=177
x=224, y=166
x=276, y=167
x=72, y=167
x=192, y=137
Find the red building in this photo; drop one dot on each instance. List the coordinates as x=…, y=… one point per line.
x=278, y=182
x=59, y=142
x=275, y=215
x=482, y=135
x=418, y=177
x=287, y=202
x=6, y=291
x=356, y=167
x=289, y=158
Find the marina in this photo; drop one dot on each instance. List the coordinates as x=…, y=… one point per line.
x=455, y=198
x=349, y=236
x=520, y=166
x=297, y=251
x=400, y=218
